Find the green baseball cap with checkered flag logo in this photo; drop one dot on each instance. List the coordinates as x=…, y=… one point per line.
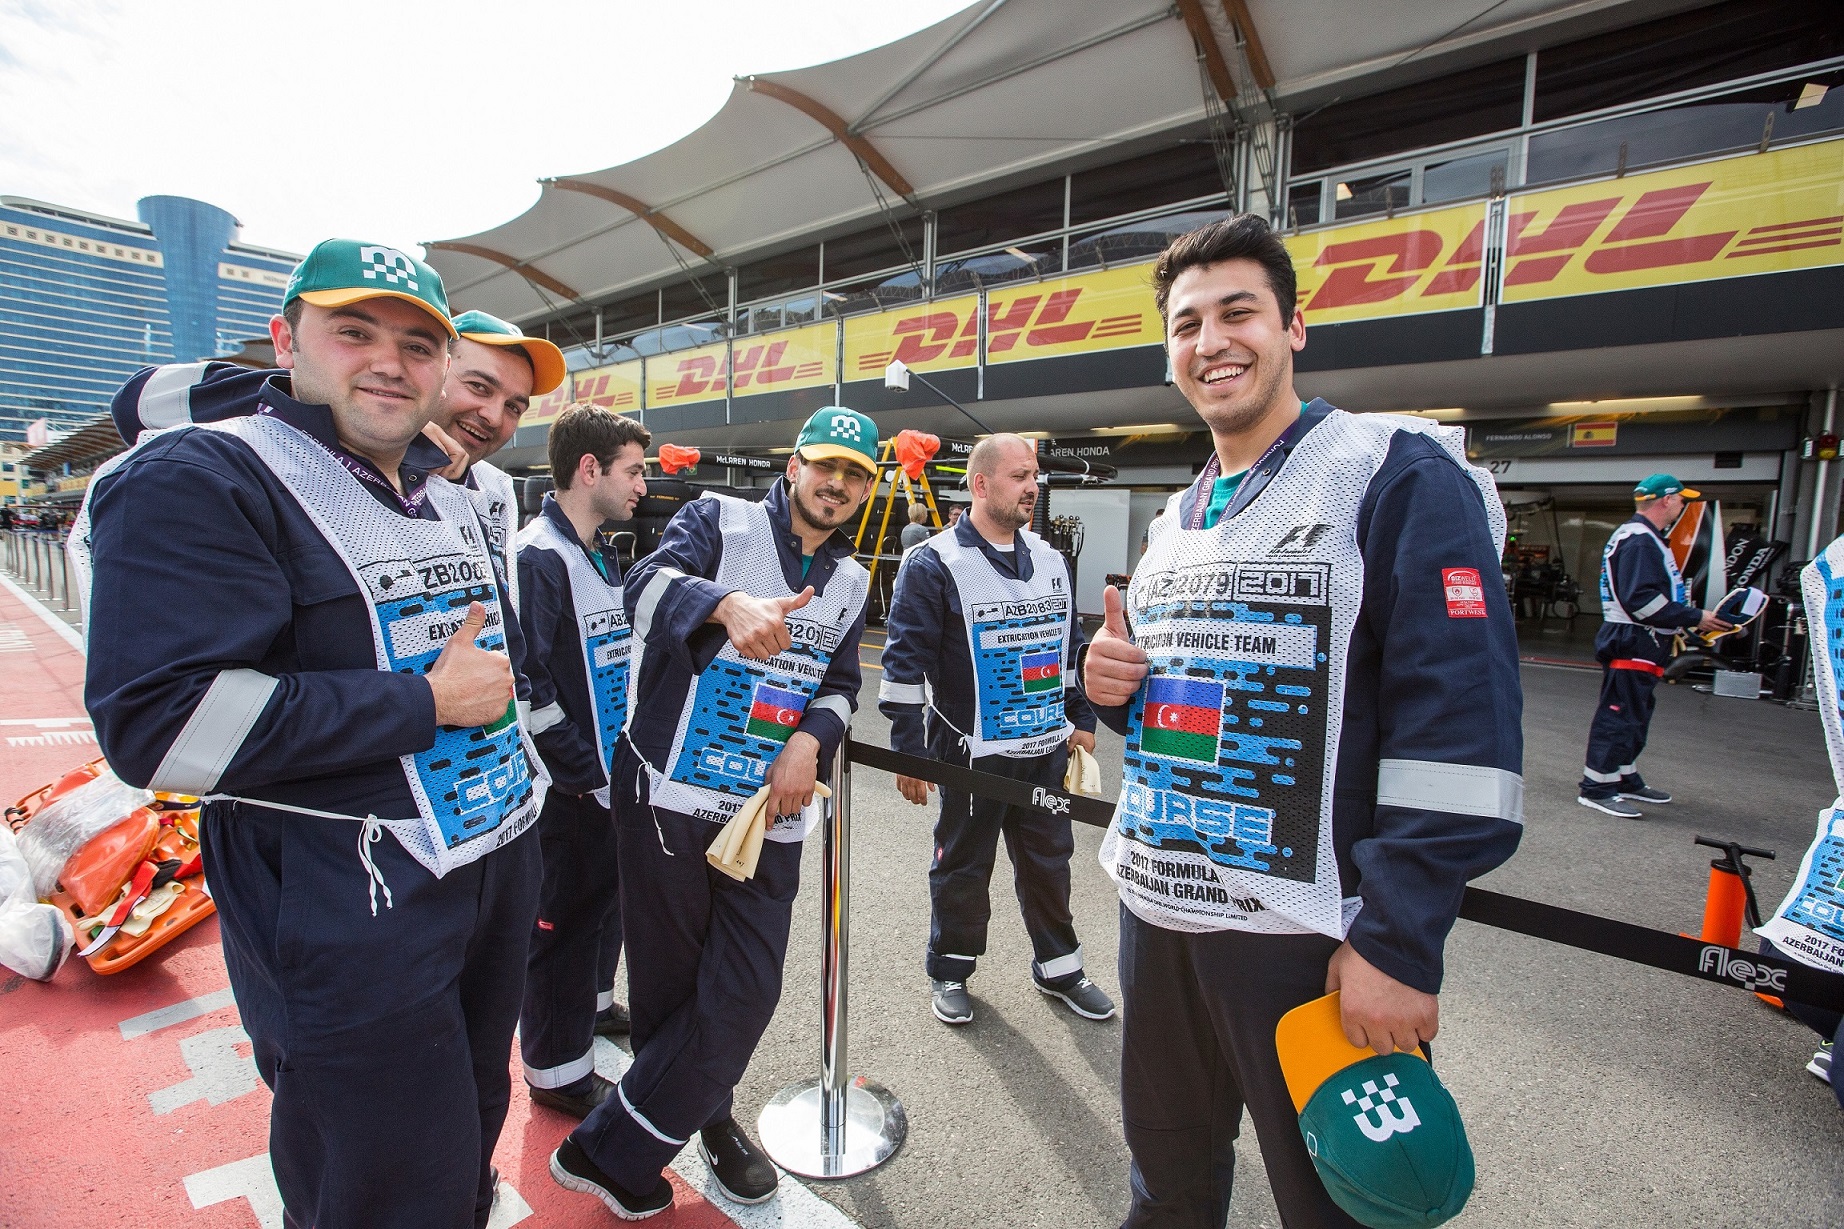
x=838, y=432
x=339, y=272
x=547, y=365
x=1384, y=1133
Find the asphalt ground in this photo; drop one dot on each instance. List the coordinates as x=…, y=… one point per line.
x=1595, y=1092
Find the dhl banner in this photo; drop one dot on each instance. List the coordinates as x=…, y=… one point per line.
x=781, y=362
x=615, y=387
x=1108, y=310
x=685, y=377
x=546, y=408
x=1427, y=262
x=938, y=336
x=1760, y=213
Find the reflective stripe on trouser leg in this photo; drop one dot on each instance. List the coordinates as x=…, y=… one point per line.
x=1062, y=966
x=605, y=1000
x=559, y=1077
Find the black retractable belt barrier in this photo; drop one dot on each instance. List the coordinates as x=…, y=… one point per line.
x=1660, y=949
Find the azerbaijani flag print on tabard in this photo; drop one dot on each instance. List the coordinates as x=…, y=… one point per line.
x=1041, y=671
x=774, y=713
x=1183, y=718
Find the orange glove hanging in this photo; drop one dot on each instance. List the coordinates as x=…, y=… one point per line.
x=914, y=449
x=673, y=458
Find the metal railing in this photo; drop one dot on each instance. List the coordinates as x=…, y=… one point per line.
x=37, y=561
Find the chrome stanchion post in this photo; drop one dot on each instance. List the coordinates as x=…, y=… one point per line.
x=835, y=1126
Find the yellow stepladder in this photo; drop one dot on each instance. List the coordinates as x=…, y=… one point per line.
x=899, y=481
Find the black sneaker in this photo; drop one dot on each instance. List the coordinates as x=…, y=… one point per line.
x=743, y=1171
x=572, y=1169
x=951, y=1002
x=1645, y=793
x=575, y=1104
x=1613, y=805
x=613, y=1022
x=1084, y=998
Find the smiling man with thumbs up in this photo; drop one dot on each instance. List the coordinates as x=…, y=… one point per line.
x=293, y=616
x=747, y=619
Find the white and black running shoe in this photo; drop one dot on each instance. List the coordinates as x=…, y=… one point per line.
x=1645, y=793
x=1821, y=1063
x=1613, y=805
x=572, y=1169
x=1084, y=998
x=952, y=1003
x=743, y=1171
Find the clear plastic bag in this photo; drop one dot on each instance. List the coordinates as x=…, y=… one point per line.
x=34, y=938
x=63, y=827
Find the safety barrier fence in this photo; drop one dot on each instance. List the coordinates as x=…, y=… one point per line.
x=838, y=1125
x=37, y=560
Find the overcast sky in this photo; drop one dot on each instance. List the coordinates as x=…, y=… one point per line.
x=392, y=120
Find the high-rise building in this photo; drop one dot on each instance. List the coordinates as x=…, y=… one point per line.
x=87, y=299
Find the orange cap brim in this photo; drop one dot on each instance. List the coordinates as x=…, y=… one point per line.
x=1313, y=1048
x=358, y=294
x=838, y=452
x=547, y=365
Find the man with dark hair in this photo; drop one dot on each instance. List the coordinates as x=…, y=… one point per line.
x=980, y=671
x=1320, y=696
x=576, y=633
x=294, y=619
x=1644, y=605
x=749, y=616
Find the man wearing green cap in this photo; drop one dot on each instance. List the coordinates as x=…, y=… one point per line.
x=294, y=618
x=1644, y=605
x=747, y=619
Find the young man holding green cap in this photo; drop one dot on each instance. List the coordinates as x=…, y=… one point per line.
x=1316, y=674
x=1644, y=605
x=292, y=617
x=748, y=619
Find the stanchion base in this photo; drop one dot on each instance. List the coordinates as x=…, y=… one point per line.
x=789, y=1128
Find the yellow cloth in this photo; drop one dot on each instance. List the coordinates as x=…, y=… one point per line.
x=1083, y=776
x=738, y=847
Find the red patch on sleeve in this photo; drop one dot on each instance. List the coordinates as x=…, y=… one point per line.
x=1465, y=595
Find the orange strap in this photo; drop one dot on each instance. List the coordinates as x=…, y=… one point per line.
x=1634, y=663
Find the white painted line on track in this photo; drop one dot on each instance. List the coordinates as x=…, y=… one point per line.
x=793, y=1206
x=254, y=1179
x=178, y=1013
x=70, y=634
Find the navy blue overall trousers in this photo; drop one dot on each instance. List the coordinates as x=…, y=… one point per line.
x=383, y=1038
x=575, y=941
x=967, y=836
x=704, y=958
x=1632, y=662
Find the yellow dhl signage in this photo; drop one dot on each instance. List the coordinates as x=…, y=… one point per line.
x=615, y=387
x=545, y=409
x=1107, y=310
x=769, y=363
x=1760, y=213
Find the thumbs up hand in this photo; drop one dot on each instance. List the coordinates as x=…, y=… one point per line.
x=472, y=686
x=1115, y=666
x=758, y=625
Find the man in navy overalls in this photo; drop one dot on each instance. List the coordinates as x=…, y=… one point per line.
x=748, y=617
x=1644, y=605
x=577, y=641
x=284, y=616
x=1012, y=706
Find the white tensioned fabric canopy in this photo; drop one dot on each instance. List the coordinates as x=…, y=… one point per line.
x=1000, y=88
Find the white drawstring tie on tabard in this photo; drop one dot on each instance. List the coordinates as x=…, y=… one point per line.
x=370, y=829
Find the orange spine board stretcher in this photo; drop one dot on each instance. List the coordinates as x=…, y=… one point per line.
x=177, y=838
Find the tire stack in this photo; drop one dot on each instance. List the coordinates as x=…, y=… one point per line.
x=664, y=497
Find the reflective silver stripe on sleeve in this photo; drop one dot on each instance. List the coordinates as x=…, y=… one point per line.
x=544, y=718
x=1460, y=789
x=214, y=733
x=649, y=599
x=166, y=398
x=524, y=710
x=901, y=693
x=1652, y=607
x=838, y=706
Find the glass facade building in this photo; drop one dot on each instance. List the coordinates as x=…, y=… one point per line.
x=86, y=300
